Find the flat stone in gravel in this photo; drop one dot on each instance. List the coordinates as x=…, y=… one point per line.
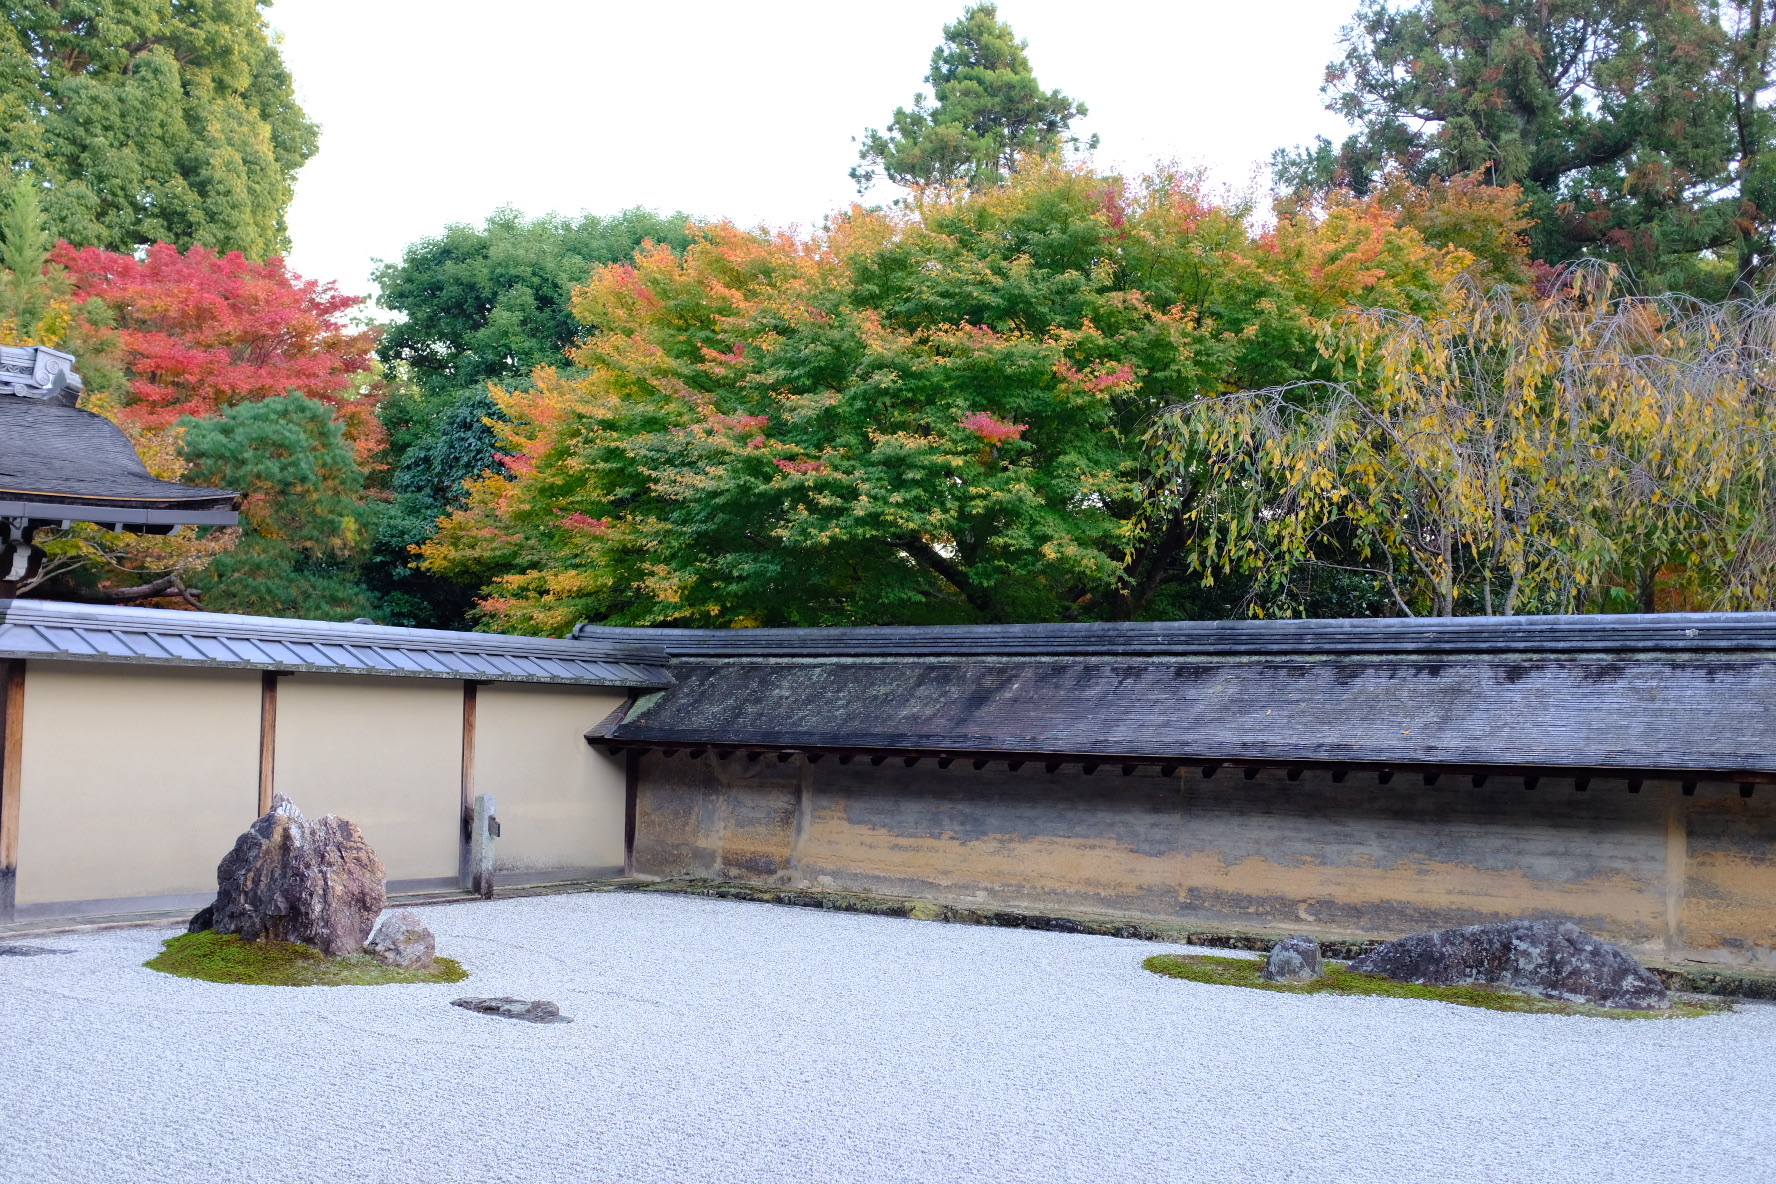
x=1295, y=959
x=28, y=951
x=536, y=1011
x=1555, y=959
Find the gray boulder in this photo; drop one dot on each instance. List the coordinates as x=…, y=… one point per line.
x=1554, y=959
x=536, y=1011
x=290, y=878
x=1295, y=959
x=401, y=941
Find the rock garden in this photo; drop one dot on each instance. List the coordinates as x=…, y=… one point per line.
x=736, y=1042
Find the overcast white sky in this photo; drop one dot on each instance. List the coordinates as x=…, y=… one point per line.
x=440, y=111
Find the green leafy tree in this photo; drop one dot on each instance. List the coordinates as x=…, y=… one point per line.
x=494, y=303
x=303, y=524
x=429, y=483
x=909, y=420
x=479, y=305
x=1612, y=115
x=990, y=111
x=153, y=121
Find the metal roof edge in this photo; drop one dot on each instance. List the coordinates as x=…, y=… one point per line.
x=1516, y=635
x=170, y=637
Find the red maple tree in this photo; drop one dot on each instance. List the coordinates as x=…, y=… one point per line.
x=202, y=331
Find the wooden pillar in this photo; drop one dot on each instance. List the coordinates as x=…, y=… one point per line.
x=1677, y=868
x=12, y=750
x=465, y=865
x=268, y=722
x=631, y=790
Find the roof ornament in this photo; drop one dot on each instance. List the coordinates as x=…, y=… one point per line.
x=38, y=372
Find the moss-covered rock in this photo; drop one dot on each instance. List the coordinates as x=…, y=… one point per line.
x=225, y=958
x=1340, y=980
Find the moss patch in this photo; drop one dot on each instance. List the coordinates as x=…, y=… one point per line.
x=225, y=958
x=1245, y=972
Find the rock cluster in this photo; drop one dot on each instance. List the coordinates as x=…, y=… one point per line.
x=1295, y=959
x=402, y=941
x=290, y=878
x=536, y=1011
x=1555, y=959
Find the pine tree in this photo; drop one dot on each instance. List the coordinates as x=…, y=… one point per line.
x=303, y=535
x=152, y=121
x=1612, y=115
x=989, y=112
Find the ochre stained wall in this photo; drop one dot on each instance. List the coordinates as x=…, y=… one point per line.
x=561, y=801
x=1664, y=874
x=385, y=753
x=135, y=781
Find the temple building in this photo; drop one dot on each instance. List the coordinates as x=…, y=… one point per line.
x=60, y=464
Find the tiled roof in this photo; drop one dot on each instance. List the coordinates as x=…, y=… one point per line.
x=51, y=629
x=1677, y=692
x=61, y=462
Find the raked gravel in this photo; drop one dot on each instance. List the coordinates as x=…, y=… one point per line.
x=733, y=1043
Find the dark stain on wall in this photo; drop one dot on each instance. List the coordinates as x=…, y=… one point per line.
x=1659, y=872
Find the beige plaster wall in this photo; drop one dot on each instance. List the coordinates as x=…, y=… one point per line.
x=1665, y=874
x=560, y=801
x=383, y=752
x=134, y=781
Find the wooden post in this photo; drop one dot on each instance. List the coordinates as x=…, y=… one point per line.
x=12, y=751
x=631, y=791
x=485, y=830
x=268, y=722
x=465, y=863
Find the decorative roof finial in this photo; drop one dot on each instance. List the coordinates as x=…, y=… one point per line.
x=38, y=372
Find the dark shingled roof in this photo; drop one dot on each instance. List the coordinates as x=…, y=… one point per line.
x=69, y=463
x=1674, y=693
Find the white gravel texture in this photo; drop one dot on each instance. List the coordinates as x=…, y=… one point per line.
x=733, y=1043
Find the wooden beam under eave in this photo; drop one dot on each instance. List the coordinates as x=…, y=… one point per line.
x=465, y=870
x=1292, y=767
x=268, y=720
x=12, y=751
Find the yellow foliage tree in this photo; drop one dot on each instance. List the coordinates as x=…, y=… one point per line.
x=1576, y=450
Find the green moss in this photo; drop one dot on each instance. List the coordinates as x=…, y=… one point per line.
x=225, y=958
x=1245, y=972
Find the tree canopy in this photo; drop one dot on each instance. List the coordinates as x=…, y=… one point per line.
x=1508, y=453
x=201, y=332
x=1636, y=129
x=989, y=111
x=906, y=419
x=494, y=302
x=479, y=304
x=149, y=121
x=302, y=533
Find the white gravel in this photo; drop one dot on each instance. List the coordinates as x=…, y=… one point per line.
x=734, y=1043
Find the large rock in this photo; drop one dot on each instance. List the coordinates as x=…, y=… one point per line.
x=1295, y=959
x=1555, y=959
x=290, y=878
x=401, y=940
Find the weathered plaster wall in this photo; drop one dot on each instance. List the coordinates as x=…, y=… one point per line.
x=385, y=753
x=1661, y=873
x=134, y=783
x=560, y=800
